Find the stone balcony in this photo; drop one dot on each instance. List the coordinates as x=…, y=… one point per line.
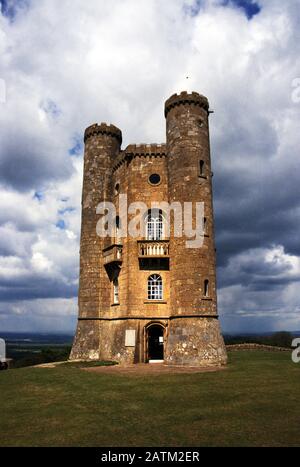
x=153, y=249
x=113, y=254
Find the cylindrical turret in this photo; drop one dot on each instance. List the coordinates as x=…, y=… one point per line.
x=102, y=145
x=190, y=181
x=192, y=269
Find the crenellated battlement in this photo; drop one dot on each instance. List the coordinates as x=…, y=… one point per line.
x=146, y=149
x=186, y=98
x=103, y=129
x=140, y=150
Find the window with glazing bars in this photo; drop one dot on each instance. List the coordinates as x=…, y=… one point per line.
x=155, y=291
x=155, y=226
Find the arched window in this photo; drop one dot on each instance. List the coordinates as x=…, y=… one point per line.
x=155, y=291
x=201, y=167
x=116, y=291
x=154, y=225
x=206, y=288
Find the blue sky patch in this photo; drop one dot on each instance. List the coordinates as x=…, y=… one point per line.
x=51, y=108
x=250, y=7
x=193, y=10
x=38, y=195
x=61, y=224
x=61, y=212
x=77, y=148
x=10, y=8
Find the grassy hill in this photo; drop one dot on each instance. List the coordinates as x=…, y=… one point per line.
x=255, y=402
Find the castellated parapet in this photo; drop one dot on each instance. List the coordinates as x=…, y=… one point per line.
x=101, y=130
x=149, y=298
x=184, y=98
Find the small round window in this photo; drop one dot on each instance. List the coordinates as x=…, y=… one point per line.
x=154, y=179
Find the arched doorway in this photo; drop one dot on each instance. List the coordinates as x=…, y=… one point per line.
x=155, y=342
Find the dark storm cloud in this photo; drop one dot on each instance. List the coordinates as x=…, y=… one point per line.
x=27, y=161
x=256, y=192
x=250, y=269
x=62, y=76
x=34, y=288
x=255, y=210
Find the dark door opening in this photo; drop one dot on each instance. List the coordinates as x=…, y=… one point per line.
x=155, y=342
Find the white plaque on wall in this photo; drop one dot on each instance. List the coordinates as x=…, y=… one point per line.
x=2, y=350
x=130, y=338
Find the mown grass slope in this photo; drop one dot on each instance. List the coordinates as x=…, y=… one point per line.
x=255, y=402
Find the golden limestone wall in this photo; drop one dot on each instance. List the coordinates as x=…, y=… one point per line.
x=102, y=144
x=188, y=311
x=195, y=339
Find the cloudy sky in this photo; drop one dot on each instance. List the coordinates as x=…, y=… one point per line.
x=68, y=63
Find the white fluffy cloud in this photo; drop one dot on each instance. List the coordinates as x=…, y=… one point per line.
x=69, y=64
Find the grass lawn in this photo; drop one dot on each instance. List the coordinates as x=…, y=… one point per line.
x=255, y=402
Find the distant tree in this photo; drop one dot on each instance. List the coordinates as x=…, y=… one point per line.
x=281, y=339
x=46, y=355
x=278, y=339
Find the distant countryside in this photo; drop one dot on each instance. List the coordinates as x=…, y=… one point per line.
x=33, y=349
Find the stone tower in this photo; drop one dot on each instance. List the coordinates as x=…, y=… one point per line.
x=150, y=298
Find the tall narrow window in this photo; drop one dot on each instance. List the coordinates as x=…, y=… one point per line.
x=201, y=167
x=204, y=225
x=154, y=225
x=116, y=291
x=155, y=291
x=206, y=288
x=118, y=228
x=117, y=188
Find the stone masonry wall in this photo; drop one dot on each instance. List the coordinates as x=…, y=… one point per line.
x=192, y=333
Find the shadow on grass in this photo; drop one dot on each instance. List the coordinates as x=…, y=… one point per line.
x=83, y=364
